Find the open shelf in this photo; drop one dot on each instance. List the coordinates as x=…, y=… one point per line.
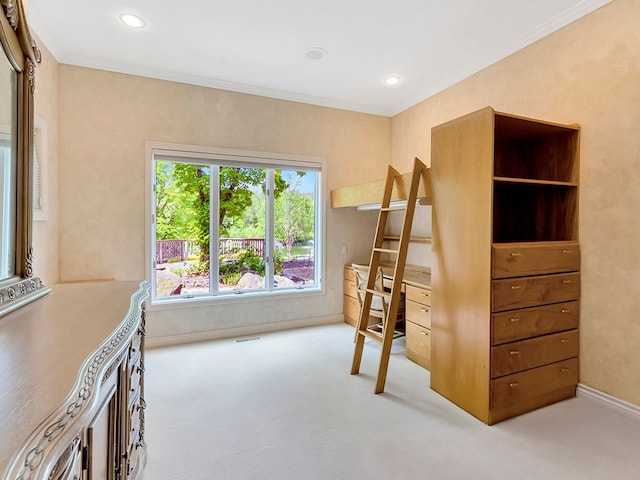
x=535, y=150
x=531, y=212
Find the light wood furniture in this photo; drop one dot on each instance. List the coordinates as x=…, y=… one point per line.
x=506, y=280
x=72, y=384
x=393, y=297
x=378, y=311
x=416, y=281
x=371, y=193
x=418, y=325
x=350, y=304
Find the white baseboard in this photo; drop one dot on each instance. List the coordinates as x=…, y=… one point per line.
x=168, y=340
x=609, y=401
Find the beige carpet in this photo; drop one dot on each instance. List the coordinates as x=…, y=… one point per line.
x=285, y=407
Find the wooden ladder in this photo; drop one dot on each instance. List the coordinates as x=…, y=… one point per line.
x=394, y=296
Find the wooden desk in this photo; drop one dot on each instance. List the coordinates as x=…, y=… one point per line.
x=413, y=275
x=416, y=285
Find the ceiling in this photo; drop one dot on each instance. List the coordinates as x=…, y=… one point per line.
x=259, y=47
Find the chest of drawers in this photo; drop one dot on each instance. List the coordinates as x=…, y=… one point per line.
x=534, y=326
x=351, y=307
x=418, y=325
x=506, y=262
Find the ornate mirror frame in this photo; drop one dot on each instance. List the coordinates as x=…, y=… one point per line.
x=24, y=56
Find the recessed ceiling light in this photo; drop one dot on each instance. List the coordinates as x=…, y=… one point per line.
x=132, y=20
x=392, y=80
x=315, y=53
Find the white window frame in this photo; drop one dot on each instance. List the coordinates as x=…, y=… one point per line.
x=215, y=156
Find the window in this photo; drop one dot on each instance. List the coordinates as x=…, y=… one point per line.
x=227, y=222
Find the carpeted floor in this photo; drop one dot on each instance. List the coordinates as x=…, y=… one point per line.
x=283, y=406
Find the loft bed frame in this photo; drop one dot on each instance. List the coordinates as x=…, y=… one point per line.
x=370, y=194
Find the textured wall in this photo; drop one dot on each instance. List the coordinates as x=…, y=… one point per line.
x=587, y=73
x=45, y=230
x=105, y=119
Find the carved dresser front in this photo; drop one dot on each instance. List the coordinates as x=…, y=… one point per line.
x=72, y=384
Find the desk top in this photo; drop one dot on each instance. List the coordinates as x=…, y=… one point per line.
x=415, y=275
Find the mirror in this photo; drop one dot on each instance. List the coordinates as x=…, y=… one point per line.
x=7, y=168
x=19, y=56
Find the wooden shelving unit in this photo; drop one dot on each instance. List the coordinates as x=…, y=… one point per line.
x=505, y=277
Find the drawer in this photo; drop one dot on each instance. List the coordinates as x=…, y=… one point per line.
x=418, y=344
x=351, y=310
x=418, y=313
x=509, y=294
x=350, y=288
x=348, y=273
x=524, y=386
x=532, y=322
x=534, y=352
x=417, y=294
x=524, y=259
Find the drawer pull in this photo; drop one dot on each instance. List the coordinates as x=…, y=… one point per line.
x=514, y=319
x=515, y=254
x=564, y=370
x=565, y=250
x=422, y=332
x=565, y=340
x=564, y=310
x=515, y=287
x=566, y=281
x=424, y=294
x=424, y=310
x=514, y=384
x=514, y=352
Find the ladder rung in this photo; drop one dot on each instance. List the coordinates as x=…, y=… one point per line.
x=394, y=209
x=378, y=293
x=375, y=336
x=396, y=238
x=385, y=250
x=378, y=336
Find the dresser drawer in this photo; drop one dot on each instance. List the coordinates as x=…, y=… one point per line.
x=532, y=322
x=418, y=313
x=349, y=288
x=521, y=387
x=418, y=341
x=524, y=292
x=523, y=259
x=348, y=273
x=351, y=310
x=534, y=352
x=417, y=294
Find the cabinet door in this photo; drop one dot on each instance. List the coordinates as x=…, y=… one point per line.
x=102, y=437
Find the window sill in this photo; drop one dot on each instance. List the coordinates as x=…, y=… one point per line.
x=209, y=301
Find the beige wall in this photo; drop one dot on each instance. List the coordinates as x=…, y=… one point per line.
x=588, y=73
x=45, y=230
x=105, y=119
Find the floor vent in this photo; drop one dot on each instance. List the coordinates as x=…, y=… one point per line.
x=247, y=339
